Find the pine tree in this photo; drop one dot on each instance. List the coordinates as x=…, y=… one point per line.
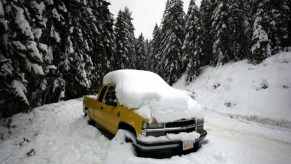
x=140, y=49
x=155, y=50
x=220, y=29
x=248, y=31
x=147, y=55
x=289, y=24
x=172, y=41
x=207, y=8
x=191, y=48
x=238, y=39
x=23, y=60
x=270, y=31
x=124, y=40
x=102, y=37
x=261, y=47
x=50, y=50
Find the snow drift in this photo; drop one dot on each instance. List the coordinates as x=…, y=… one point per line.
x=150, y=95
x=59, y=133
x=260, y=93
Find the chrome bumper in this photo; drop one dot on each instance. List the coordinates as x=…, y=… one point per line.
x=144, y=146
x=172, y=129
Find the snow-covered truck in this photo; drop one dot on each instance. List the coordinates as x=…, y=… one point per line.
x=155, y=115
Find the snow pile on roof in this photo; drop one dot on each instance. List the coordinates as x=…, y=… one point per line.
x=151, y=96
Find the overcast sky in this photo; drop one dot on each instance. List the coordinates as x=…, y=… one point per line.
x=145, y=13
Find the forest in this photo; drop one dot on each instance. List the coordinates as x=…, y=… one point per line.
x=52, y=50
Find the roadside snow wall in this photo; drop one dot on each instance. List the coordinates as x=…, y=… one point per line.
x=260, y=93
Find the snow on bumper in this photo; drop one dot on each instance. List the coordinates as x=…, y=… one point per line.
x=169, y=141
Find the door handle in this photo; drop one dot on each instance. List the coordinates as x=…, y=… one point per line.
x=101, y=107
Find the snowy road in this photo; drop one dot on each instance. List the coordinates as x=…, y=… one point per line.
x=58, y=133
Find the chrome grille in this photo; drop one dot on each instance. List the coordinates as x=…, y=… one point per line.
x=180, y=123
x=174, y=128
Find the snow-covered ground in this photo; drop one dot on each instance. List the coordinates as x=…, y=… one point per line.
x=58, y=133
x=260, y=93
x=247, y=115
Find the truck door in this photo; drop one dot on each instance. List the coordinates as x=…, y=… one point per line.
x=98, y=108
x=111, y=110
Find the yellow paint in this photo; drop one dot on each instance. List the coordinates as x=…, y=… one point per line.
x=109, y=117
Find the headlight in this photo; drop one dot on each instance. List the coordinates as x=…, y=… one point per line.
x=155, y=125
x=144, y=125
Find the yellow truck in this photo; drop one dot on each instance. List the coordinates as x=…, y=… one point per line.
x=148, y=134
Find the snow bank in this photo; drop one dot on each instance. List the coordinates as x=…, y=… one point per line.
x=118, y=151
x=151, y=96
x=260, y=93
x=59, y=133
x=54, y=133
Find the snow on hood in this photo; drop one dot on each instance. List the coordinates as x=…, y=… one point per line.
x=151, y=96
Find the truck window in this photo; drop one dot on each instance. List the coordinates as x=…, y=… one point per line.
x=110, y=98
x=100, y=98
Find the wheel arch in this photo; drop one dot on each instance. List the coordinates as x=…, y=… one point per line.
x=126, y=126
x=85, y=109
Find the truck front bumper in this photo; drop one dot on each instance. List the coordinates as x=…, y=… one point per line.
x=169, y=145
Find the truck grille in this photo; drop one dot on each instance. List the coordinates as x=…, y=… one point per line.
x=156, y=134
x=180, y=123
x=176, y=127
x=179, y=131
x=200, y=129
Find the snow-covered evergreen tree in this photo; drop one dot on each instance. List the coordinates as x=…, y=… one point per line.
x=206, y=9
x=50, y=50
x=248, y=28
x=192, y=43
x=147, y=55
x=289, y=24
x=22, y=60
x=124, y=40
x=140, y=49
x=172, y=41
x=103, y=46
x=155, y=50
x=238, y=27
x=220, y=29
x=270, y=28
